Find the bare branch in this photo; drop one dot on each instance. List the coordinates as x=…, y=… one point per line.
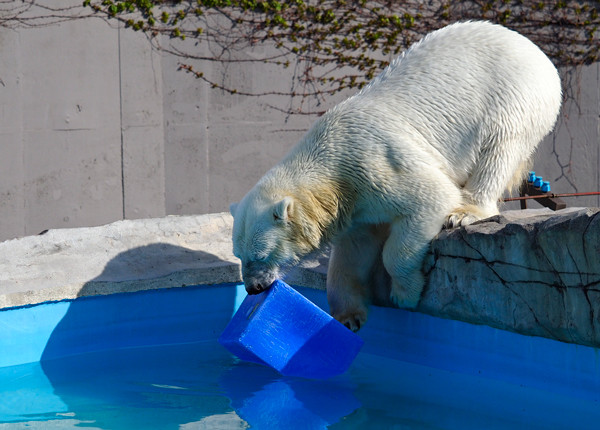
x=333, y=45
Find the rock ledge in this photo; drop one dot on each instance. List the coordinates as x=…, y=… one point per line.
x=535, y=272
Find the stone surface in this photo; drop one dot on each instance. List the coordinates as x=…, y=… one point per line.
x=120, y=257
x=535, y=272
x=537, y=275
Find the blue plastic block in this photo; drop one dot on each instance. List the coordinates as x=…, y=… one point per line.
x=538, y=182
x=281, y=328
x=531, y=177
x=545, y=187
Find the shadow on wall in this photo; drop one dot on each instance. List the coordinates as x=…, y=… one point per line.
x=150, y=359
x=125, y=320
x=150, y=262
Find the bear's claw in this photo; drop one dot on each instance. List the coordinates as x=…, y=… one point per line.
x=354, y=321
x=459, y=219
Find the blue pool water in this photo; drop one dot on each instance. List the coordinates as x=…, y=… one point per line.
x=151, y=360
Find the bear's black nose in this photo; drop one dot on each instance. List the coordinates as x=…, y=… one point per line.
x=254, y=288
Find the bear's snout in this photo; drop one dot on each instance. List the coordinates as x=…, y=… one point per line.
x=257, y=277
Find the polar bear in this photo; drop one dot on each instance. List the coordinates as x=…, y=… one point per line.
x=434, y=140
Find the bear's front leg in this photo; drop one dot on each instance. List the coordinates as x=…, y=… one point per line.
x=353, y=255
x=403, y=255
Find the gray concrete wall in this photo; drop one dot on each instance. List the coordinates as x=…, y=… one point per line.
x=60, y=144
x=570, y=158
x=96, y=126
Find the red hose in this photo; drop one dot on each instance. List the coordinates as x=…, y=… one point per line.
x=551, y=195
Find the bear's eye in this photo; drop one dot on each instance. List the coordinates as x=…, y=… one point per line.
x=262, y=256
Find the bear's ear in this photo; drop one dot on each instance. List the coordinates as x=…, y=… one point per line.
x=232, y=208
x=283, y=209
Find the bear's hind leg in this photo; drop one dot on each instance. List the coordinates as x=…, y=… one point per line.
x=353, y=256
x=502, y=166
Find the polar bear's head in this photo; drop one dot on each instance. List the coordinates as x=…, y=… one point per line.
x=269, y=234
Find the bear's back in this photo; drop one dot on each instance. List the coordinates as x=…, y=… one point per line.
x=463, y=58
x=459, y=87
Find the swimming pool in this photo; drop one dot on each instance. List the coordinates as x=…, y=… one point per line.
x=151, y=360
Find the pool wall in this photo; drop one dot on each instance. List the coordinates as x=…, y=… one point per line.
x=123, y=320
x=534, y=272
x=93, y=347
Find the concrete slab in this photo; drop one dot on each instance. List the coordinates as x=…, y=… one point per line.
x=120, y=257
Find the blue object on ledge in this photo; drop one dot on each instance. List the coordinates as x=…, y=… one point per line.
x=545, y=187
x=281, y=328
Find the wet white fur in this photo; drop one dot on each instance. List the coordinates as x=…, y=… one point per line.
x=435, y=139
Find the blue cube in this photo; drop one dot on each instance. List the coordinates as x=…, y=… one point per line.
x=281, y=328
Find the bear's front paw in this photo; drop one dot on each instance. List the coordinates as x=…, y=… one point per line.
x=457, y=219
x=354, y=320
x=407, y=295
x=468, y=214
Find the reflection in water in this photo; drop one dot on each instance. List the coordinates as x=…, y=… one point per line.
x=265, y=399
x=200, y=385
x=150, y=388
x=193, y=386
x=25, y=391
x=414, y=372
